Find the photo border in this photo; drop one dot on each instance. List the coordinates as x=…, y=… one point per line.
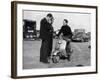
x=14, y=37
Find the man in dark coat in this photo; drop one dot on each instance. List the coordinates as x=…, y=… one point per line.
x=67, y=35
x=46, y=34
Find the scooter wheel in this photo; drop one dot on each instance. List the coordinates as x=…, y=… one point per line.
x=55, y=59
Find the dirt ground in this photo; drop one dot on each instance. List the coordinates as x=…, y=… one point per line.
x=31, y=52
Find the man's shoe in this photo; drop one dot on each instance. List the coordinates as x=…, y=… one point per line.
x=45, y=62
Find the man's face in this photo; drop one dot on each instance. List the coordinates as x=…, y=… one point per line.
x=50, y=20
x=47, y=18
x=64, y=23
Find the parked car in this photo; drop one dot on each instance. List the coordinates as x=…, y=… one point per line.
x=80, y=37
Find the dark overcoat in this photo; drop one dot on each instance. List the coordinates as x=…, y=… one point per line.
x=46, y=30
x=46, y=34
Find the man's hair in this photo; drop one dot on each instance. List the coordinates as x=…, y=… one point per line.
x=66, y=20
x=49, y=15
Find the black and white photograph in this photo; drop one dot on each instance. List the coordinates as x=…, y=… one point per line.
x=55, y=39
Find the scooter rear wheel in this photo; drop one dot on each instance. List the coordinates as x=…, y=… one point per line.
x=55, y=59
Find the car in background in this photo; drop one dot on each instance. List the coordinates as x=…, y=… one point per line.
x=79, y=35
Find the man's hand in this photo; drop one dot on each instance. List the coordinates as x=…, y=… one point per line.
x=57, y=36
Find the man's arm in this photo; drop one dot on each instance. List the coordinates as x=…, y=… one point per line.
x=71, y=34
x=48, y=26
x=59, y=32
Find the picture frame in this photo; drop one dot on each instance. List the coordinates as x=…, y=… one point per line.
x=30, y=13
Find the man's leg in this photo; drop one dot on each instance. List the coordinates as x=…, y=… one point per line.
x=68, y=48
x=44, y=51
x=50, y=42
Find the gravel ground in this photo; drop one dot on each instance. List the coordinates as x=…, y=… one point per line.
x=31, y=52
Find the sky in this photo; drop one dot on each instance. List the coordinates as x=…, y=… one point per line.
x=75, y=20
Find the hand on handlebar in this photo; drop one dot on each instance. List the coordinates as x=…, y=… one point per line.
x=57, y=36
